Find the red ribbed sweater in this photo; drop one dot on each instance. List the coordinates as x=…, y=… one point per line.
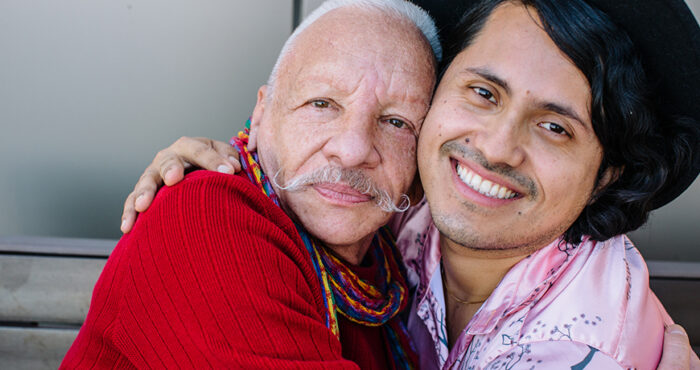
x=214, y=275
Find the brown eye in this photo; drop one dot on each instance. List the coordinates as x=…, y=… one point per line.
x=396, y=122
x=485, y=94
x=321, y=104
x=555, y=128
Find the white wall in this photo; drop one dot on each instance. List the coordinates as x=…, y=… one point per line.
x=694, y=5
x=90, y=89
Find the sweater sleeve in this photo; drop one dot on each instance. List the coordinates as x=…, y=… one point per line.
x=212, y=275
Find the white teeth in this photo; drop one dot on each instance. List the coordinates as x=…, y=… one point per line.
x=494, y=190
x=461, y=171
x=485, y=187
x=476, y=181
x=502, y=192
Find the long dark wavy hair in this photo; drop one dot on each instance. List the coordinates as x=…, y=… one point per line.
x=648, y=150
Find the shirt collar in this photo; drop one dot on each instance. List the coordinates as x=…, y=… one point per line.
x=524, y=284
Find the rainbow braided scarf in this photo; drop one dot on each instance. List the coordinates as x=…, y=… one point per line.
x=343, y=291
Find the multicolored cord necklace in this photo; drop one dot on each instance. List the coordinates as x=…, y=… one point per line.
x=343, y=291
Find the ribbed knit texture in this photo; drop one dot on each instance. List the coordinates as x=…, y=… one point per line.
x=214, y=275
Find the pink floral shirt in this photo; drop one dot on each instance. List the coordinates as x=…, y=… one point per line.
x=565, y=306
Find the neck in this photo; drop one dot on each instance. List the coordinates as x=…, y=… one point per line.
x=354, y=253
x=470, y=276
x=473, y=274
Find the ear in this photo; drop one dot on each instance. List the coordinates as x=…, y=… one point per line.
x=415, y=192
x=257, y=117
x=609, y=177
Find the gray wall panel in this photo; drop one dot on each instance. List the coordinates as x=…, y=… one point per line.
x=89, y=90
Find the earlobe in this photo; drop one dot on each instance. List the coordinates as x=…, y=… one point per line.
x=256, y=117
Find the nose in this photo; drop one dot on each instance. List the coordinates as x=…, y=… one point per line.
x=353, y=144
x=501, y=140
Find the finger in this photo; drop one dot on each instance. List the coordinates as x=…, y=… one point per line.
x=200, y=152
x=129, y=214
x=173, y=175
x=694, y=361
x=144, y=200
x=676, y=350
x=227, y=151
x=146, y=188
x=171, y=167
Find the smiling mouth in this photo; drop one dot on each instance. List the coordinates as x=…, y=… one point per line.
x=483, y=186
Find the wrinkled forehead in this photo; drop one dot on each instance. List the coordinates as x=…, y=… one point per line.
x=348, y=47
x=363, y=37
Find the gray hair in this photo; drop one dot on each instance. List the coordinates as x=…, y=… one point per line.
x=397, y=8
x=352, y=177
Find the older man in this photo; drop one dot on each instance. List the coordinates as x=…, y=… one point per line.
x=283, y=267
x=530, y=174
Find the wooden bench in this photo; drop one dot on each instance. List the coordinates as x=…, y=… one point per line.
x=46, y=286
x=45, y=290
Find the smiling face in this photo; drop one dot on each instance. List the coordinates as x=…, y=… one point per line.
x=508, y=157
x=352, y=94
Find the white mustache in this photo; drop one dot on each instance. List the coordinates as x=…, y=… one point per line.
x=353, y=178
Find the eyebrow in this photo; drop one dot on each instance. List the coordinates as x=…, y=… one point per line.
x=488, y=75
x=550, y=106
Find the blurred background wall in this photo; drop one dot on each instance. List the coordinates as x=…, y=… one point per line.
x=91, y=89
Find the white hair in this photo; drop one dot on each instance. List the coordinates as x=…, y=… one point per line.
x=351, y=177
x=397, y=8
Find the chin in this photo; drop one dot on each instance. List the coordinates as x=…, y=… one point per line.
x=334, y=224
x=464, y=233
x=343, y=229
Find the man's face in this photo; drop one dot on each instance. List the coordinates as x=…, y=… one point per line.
x=352, y=94
x=508, y=156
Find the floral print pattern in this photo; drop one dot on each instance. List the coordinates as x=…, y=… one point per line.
x=584, y=306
